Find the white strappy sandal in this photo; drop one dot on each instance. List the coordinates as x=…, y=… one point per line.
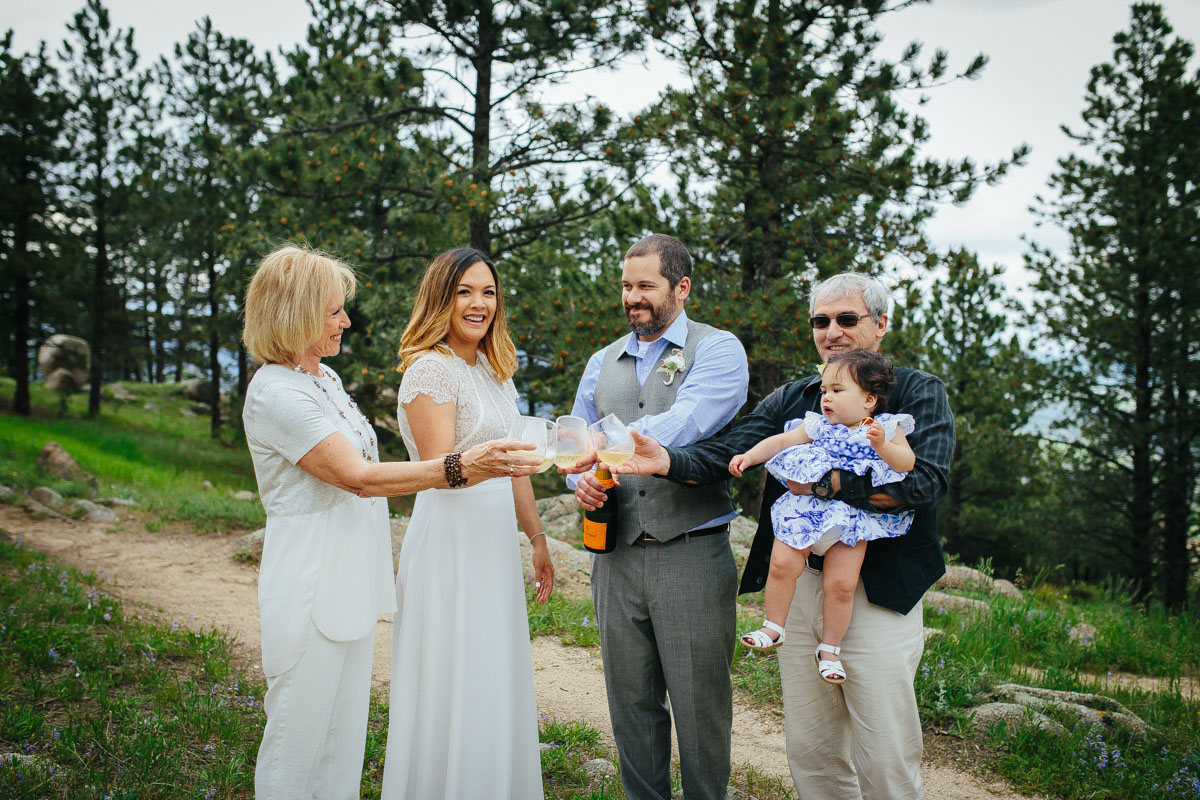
x=830, y=668
x=762, y=642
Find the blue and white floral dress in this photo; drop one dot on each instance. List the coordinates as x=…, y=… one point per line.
x=800, y=520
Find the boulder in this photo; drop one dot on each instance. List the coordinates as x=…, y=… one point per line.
x=38, y=511
x=93, y=512
x=959, y=577
x=6, y=492
x=599, y=767
x=66, y=381
x=47, y=497
x=119, y=393
x=151, y=407
x=560, y=514
x=953, y=602
x=245, y=495
x=1095, y=710
x=69, y=353
x=1014, y=716
x=55, y=461
x=196, y=389
x=1006, y=588
x=1083, y=634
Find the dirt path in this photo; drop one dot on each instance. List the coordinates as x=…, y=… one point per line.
x=193, y=579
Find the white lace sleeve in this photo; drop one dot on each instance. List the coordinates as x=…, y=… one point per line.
x=431, y=376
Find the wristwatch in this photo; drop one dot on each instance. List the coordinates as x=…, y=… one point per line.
x=823, y=489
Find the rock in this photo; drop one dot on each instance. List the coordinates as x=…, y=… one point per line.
x=187, y=412
x=55, y=461
x=121, y=501
x=38, y=511
x=206, y=485
x=254, y=539
x=244, y=495
x=95, y=513
x=1095, y=710
x=47, y=497
x=599, y=767
x=151, y=407
x=201, y=409
x=560, y=514
x=1013, y=715
x=958, y=577
x=65, y=381
x=953, y=602
x=69, y=353
x=196, y=389
x=6, y=492
x=121, y=394
x=1083, y=634
x=1006, y=588
x=572, y=567
x=738, y=793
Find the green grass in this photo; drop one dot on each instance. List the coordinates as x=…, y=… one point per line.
x=159, y=458
x=105, y=705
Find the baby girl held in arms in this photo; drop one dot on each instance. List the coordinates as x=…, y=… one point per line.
x=850, y=434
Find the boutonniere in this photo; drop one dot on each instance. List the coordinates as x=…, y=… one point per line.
x=821, y=368
x=672, y=365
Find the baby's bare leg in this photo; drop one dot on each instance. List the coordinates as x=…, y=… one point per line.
x=838, y=581
x=786, y=565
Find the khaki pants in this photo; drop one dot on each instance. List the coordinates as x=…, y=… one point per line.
x=861, y=739
x=317, y=723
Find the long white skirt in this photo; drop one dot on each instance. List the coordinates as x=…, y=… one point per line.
x=463, y=720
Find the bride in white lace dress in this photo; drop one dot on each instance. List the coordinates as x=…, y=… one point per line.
x=463, y=720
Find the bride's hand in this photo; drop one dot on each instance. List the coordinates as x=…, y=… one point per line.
x=492, y=460
x=543, y=569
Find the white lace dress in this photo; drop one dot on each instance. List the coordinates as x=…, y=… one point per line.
x=463, y=719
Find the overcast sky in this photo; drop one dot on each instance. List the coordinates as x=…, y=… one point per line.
x=1040, y=51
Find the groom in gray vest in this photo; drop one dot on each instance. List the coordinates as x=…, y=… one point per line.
x=665, y=596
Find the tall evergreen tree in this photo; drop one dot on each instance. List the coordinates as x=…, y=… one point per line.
x=795, y=120
x=32, y=107
x=959, y=327
x=1123, y=304
x=104, y=89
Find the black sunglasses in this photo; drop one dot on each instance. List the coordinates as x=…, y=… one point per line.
x=844, y=320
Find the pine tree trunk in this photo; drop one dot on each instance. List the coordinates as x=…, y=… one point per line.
x=480, y=221
x=99, y=282
x=19, y=361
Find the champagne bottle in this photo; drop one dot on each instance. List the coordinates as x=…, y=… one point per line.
x=600, y=524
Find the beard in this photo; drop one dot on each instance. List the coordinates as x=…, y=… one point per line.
x=660, y=317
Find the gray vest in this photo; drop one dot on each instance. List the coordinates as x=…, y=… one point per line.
x=652, y=505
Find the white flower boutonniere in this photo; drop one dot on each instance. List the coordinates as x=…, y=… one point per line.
x=821, y=368
x=672, y=365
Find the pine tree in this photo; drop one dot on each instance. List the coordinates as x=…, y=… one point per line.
x=1122, y=306
x=32, y=106
x=104, y=90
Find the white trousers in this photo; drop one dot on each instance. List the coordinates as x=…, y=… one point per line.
x=317, y=723
x=861, y=739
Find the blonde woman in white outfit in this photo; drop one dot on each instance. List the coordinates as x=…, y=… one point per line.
x=326, y=565
x=463, y=720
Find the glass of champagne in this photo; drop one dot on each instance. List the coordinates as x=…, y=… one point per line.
x=613, y=441
x=541, y=433
x=571, y=441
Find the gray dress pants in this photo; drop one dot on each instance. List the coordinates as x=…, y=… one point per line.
x=667, y=618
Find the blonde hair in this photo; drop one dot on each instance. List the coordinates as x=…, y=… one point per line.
x=434, y=305
x=286, y=301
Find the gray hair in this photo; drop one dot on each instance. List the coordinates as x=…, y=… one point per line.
x=675, y=262
x=874, y=294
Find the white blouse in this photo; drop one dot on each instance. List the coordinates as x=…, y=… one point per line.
x=327, y=554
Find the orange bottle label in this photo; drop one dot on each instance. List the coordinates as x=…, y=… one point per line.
x=595, y=534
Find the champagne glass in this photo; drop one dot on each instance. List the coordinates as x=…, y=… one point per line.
x=571, y=441
x=541, y=433
x=614, y=443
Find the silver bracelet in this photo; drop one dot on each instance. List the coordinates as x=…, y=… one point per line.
x=531, y=538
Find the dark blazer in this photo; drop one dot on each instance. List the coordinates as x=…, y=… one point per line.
x=896, y=572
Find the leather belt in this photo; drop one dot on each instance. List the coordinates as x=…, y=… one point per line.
x=816, y=562
x=647, y=538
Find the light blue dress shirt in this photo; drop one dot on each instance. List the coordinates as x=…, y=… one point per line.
x=711, y=391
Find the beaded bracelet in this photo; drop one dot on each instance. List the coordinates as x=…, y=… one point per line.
x=452, y=465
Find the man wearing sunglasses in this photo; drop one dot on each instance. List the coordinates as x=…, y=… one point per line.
x=863, y=737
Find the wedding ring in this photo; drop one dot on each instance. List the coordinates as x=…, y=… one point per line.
x=510, y=470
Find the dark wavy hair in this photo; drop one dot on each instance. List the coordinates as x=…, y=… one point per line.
x=871, y=371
